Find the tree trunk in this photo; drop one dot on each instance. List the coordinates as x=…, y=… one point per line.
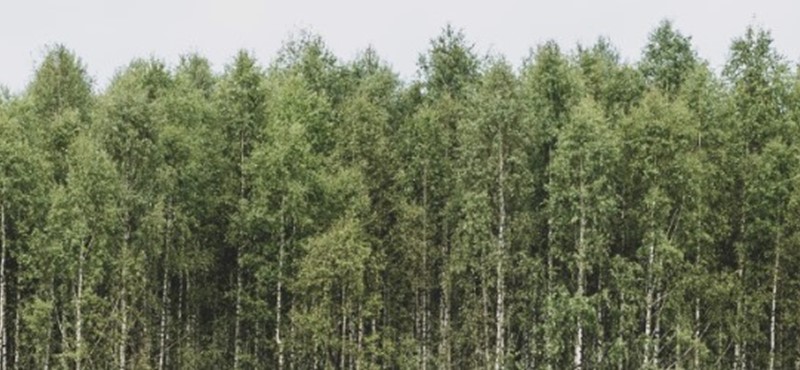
x=359, y=338
x=697, y=333
x=775, y=276
x=425, y=305
x=238, y=314
x=501, y=246
x=549, y=274
x=577, y=362
x=78, y=302
x=16, y=328
x=279, y=293
x=162, y=352
x=344, y=329
x=3, y=285
x=737, y=348
x=444, y=312
x=657, y=333
x=123, y=302
x=649, y=305
x=485, y=319
x=425, y=315
x=601, y=328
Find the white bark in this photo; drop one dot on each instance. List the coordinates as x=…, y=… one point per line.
x=697, y=333
x=577, y=362
x=485, y=320
x=500, y=316
x=279, y=294
x=775, y=273
x=78, y=303
x=162, y=352
x=425, y=306
x=649, y=305
x=444, y=312
x=3, y=284
x=123, y=304
x=238, y=313
x=344, y=329
x=16, y=333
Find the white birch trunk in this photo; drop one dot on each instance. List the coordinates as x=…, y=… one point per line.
x=78, y=313
x=577, y=362
x=3, y=284
x=773, y=307
x=500, y=316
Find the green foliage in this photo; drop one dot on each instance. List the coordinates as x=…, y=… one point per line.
x=580, y=212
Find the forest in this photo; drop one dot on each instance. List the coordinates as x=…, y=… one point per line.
x=576, y=211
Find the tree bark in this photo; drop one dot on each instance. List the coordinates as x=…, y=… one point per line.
x=162, y=351
x=123, y=302
x=78, y=303
x=697, y=333
x=501, y=246
x=344, y=329
x=16, y=328
x=577, y=362
x=279, y=289
x=237, y=320
x=649, y=305
x=485, y=321
x=425, y=305
x=773, y=307
x=3, y=284
x=444, y=312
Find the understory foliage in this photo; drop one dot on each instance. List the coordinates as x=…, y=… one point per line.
x=312, y=213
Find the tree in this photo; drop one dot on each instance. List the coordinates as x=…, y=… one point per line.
x=24, y=184
x=241, y=105
x=581, y=204
x=668, y=59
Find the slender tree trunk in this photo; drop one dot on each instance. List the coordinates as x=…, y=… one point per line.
x=425, y=305
x=48, y=343
x=548, y=332
x=775, y=275
x=78, y=303
x=344, y=329
x=181, y=335
x=16, y=328
x=359, y=338
x=696, y=333
x=657, y=333
x=3, y=284
x=649, y=305
x=444, y=312
x=501, y=247
x=279, y=290
x=485, y=319
x=737, y=348
x=425, y=315
x=601, y=328
x=577, y=362
x=238, y=314
x=123, y=302
x=162, y=352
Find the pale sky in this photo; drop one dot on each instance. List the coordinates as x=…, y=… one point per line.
x=108, y=34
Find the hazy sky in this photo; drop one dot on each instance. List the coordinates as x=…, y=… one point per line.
x=107, y=34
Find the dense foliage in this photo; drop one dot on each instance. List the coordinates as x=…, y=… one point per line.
x=579, y=212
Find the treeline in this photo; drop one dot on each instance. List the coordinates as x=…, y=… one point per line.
x=578, y=212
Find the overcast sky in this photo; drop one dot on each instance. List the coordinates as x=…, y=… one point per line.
x=107, y=34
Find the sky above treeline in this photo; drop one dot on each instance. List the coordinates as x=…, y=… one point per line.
x=108, y=34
